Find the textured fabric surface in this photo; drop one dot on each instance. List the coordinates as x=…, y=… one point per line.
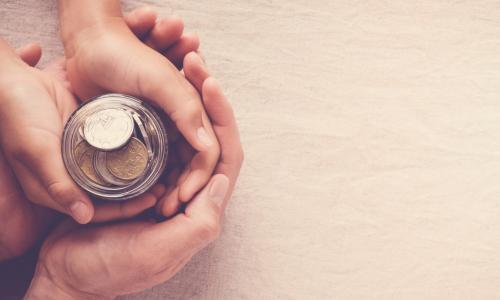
x=372, y=138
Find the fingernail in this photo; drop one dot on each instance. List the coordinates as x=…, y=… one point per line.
x=80, y=212
x=204, y=137
x=218, y=190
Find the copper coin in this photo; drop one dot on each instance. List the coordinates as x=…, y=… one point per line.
x=80, y=150
x=99, y=162
x=129, y=162
x=84, y=154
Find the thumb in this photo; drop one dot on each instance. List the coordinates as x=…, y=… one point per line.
x=186, y=234
x=45, y=163
x=209, y=204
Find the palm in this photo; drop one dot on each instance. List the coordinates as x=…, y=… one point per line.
x=110, y=252
x=36, y=124
x=40, y=119
x=26, y=222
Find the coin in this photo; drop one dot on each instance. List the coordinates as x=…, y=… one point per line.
x=129, y=162
x=144, y=133
x=99, y=163
x=84, y=154
x=108, y=129
x=80, y=149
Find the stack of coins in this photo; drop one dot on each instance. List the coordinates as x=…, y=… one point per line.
x=112, y=151
x=115, y=147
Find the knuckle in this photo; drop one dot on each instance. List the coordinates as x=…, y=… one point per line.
x=209, y=229
x=189, y=112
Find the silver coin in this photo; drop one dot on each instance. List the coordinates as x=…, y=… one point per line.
x=108, y=129
x=144, y=133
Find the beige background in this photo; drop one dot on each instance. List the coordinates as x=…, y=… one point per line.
x=372, y=137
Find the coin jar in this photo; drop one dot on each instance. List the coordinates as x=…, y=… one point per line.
x=115, y=146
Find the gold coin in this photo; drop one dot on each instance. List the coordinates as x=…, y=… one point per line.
x=80, y=150
x=84, y=155
x=129, y=162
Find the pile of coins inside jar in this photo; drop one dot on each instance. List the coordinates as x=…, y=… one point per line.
x=115, y=147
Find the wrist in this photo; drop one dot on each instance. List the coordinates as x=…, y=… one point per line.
x=82, y=21
x=43, y=286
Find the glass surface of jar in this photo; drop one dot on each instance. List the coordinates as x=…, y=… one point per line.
x=115, y=146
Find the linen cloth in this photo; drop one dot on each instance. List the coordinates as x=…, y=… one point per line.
x=372, y=139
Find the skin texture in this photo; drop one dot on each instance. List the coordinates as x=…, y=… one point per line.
x=33, y=108
x=103, y=55
x=104, y=261
x=23, y=223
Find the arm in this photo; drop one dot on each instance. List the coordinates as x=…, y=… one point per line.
x=78, y=16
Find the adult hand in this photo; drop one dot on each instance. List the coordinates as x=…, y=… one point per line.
x=103, y=55
x=33, y=108
x=104, y=261
x=24, y=223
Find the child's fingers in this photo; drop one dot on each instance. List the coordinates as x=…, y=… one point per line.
x=43, y=159
x=197, y=177
x=186, y=43
x=141, y=21
x=165, y=33
x=195, y=70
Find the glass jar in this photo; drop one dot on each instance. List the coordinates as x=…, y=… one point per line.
x=115, y=146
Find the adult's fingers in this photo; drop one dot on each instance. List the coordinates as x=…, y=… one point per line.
x=224, y=124
x=187, y=233
x=196, y=73
x=220, y=113
x=202, y=163
x=30, y=53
